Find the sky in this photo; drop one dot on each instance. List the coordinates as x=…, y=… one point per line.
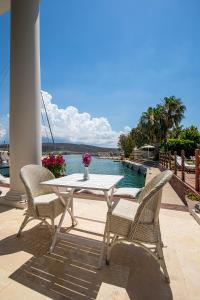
x=104, y=62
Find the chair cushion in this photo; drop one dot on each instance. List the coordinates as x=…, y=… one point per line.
x=127, y=192
x=66, y=194
x=188, y=166
x=93, y=192
x=120, y=192
x=49, y=205
x=125, y=209
x=62, y=189
x=122, y=216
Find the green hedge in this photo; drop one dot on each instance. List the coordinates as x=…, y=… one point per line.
x=178, y=145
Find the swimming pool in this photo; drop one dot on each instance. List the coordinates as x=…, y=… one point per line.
x=105, y=166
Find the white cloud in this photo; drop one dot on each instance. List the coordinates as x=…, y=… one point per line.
x=127, y=129
x=3, y=130
x=70, y=125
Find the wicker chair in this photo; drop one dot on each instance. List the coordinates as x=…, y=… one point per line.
x=42, y=202
x=138, y=223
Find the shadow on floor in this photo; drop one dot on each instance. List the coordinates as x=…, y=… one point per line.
x=4, y=208
x=146, y=280
x=176, y=207
x=70, y=272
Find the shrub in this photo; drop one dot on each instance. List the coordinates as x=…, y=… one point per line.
x=193, y=196
x=177, y=145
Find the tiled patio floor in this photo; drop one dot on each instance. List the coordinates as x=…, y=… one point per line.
x=27, y=271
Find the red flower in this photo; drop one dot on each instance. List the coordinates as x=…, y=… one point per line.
x=55, y=163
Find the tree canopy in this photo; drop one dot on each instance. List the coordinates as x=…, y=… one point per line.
x=157, y=124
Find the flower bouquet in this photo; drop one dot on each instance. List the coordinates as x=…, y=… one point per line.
x=86, y=159
x=55, y=163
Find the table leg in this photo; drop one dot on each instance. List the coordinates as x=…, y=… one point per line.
x=111, y=196
x=106, y=237
x=67, y=204
x=70, y=206
x=109, y=199
x=57, y=231
x=74, y=221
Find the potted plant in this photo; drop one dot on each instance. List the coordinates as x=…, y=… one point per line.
x=192, y=198
x=55, y=163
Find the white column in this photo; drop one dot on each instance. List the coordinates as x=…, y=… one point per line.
x=25, y=127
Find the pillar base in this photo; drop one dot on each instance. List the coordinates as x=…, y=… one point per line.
x=14, y=199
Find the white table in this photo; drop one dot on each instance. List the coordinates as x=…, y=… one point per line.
x=98, y=182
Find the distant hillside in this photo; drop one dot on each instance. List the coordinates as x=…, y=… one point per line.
x=70, y=148
x=75, y=148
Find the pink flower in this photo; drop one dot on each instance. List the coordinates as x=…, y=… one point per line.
x=86, y=159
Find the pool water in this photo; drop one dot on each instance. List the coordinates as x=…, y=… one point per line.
x=105, y=166
x=4, y=170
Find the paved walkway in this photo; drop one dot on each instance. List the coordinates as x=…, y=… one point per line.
x=27, y=271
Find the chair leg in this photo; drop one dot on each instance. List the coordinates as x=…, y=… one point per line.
x=25, y=221
x=48, y=225
x=53, y=226
x=108, y=249
x=103, y=247
x=71, y=212
x=162, y=262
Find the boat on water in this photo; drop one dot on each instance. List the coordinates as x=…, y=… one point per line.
x=4, y=163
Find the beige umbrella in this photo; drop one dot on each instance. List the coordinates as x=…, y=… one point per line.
x=148, y=147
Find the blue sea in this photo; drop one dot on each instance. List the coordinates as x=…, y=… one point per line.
x=105, y=166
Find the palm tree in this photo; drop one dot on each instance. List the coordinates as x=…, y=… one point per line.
x=156, y=122
x=146, y=124
x=149, y=124
x=175, y=132
x=172, y=114
x=138, y=137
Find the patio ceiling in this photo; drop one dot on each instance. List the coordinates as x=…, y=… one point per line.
x=4, y=6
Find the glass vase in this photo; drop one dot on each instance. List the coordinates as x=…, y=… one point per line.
x=86, y=174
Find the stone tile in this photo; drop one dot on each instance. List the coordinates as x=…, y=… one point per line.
x=112, y=292
x=16, y=291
